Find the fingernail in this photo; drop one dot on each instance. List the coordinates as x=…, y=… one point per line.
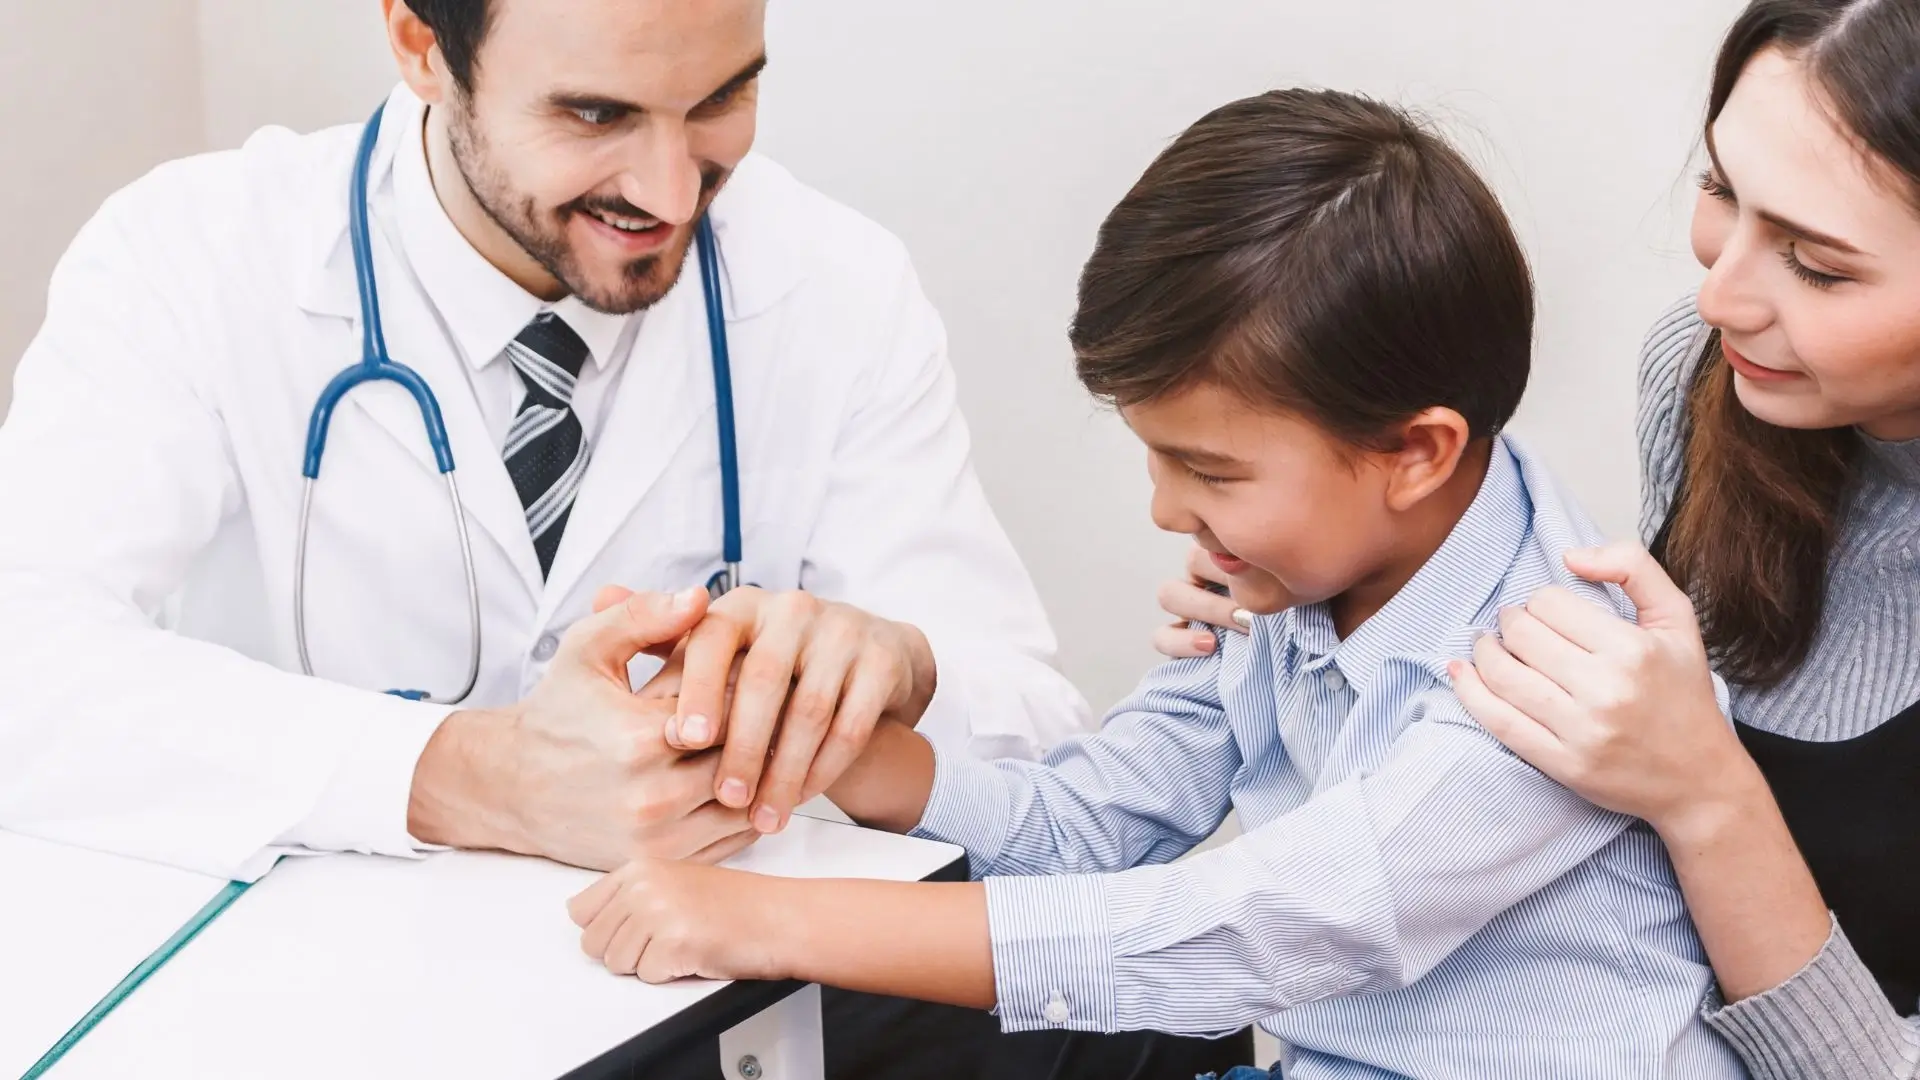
x=671, y=730
x=766, y=819
x=733, y=792
x=1243, y=617
x=695, y=730
x=683, y=600
x=1204, y=643
x=1453, y=670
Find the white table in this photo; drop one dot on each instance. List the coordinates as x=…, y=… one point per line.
x=460, y=965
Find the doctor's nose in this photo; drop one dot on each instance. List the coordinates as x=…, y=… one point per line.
x=662, y=177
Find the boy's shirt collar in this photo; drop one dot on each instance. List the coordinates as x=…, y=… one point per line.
x=1451, y=588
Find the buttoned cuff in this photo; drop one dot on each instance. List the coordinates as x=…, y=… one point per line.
x=968, y=806
x=364, y=805
x=1052, y=952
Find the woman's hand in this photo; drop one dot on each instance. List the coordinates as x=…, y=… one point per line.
x=1191, y=601
x=665, y=920
x=1624, y=715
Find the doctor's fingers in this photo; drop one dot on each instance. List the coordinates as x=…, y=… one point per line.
x=604, y=643
x=862, y=705
x=706, y=827
x=722, y=850
x=706, y=669
x=669, y=682
x=810, y=713
x=767, y=681
x=609, y=595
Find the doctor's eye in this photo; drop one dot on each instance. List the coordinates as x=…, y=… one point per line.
x=599, y=115
x=723, y=99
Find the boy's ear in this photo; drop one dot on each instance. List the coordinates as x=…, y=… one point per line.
x=1431, y=445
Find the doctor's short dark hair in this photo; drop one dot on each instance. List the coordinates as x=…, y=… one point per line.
x=459, y=26
x=1317, y=253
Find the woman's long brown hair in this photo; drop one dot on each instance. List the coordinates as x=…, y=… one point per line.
x=1760, y=505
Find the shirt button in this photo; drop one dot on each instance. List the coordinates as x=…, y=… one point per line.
x=544, y=649
x=1056, y=1011
x=1333, y=680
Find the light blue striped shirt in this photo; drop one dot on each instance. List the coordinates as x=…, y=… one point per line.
x=1409, y=899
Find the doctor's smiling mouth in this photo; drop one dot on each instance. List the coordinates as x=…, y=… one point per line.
x=590, y=239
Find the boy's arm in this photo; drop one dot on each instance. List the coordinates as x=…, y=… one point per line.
x=1153, y=783
x=1365, y=888
x=665, y=920
x=888, y=786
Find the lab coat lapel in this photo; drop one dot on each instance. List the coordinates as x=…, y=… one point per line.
x=416, y=340
x=665, y=394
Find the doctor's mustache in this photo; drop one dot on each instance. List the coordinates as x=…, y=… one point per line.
x=711, y=177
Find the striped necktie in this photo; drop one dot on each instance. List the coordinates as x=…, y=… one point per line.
x=546, y=450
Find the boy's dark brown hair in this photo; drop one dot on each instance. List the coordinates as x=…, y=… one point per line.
x=1315, y=252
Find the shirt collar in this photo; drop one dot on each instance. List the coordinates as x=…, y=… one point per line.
x=1448, y=591
x=482, y=308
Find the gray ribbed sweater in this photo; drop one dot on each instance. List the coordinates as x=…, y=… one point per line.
x=1829, y=1021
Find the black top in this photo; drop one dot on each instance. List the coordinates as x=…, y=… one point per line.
x=1854, y=808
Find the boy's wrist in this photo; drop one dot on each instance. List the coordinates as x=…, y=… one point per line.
x=888, y=786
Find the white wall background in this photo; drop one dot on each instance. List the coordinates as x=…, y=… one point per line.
x=993, y=135
x=92, y=94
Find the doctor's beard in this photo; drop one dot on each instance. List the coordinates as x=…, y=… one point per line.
x=543, y=235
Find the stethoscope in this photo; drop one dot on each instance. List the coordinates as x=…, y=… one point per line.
x=375, y=366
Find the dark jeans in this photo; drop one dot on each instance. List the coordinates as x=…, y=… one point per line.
x=879, y=1038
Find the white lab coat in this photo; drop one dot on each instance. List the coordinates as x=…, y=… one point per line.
x=150, y=474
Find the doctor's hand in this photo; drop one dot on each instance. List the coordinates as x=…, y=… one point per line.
x=791, y=686
x=665, y=920
x=580, y=771
x=1190, y=600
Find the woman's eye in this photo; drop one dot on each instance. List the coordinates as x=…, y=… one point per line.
x=1711, y=184
x=1807, y=273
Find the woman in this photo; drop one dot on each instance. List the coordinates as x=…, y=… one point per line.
x=1779, y=430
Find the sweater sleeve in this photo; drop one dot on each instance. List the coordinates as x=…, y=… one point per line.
x=1667, y=359
x=1830, y=1021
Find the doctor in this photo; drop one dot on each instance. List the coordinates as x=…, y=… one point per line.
x=531, y=199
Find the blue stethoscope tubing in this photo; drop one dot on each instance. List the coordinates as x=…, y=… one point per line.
x=377, y=366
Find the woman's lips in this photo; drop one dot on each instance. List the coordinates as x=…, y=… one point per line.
x=1751, y=370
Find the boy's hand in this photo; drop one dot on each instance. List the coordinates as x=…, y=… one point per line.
x=665, y=920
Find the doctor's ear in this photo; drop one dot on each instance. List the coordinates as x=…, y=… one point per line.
x=417, y=51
